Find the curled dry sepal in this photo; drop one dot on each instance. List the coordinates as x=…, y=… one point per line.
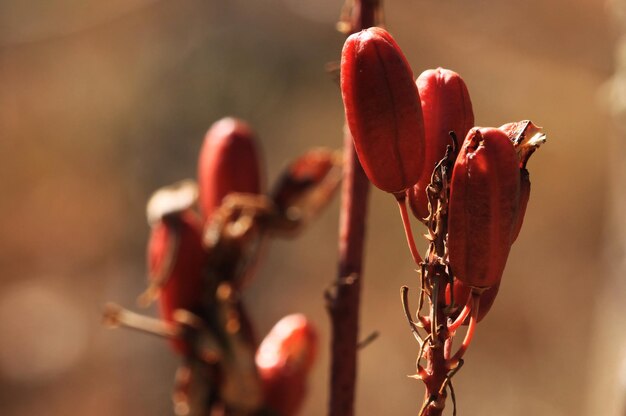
x=203, y=249
x=470, y=186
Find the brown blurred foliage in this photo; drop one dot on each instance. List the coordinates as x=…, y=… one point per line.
x=103, y=102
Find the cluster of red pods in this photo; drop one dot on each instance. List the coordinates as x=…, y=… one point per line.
x=405, y=131
x=204, y=245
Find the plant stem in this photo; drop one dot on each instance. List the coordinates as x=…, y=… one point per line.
x=343, y=305
x=436, y=276
x=406, y=222
x=437, y=364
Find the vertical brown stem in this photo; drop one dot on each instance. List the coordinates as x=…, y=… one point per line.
x=436, y=368
x=436, y=276
x=438, y=371
x=344, y=304
x=436, y=363
x=344, y=307
x=364, y=13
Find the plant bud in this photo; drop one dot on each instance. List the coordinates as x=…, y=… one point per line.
x=446, y=107
x=382, y=109
x=228, y=163
x=176, y=261
x=284, y=360
x=483, y=206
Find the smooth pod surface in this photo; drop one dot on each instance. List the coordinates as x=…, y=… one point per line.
x=284, y=360
x=446, y=107
x=524, y=196
x=382, y=109
x=484, y=199
x=228, y=162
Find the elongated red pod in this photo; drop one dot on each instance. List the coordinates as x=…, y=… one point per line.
x=382, y=109
x=177, y=259
x=446, y=107
x=228, y=162
x=284, y=360
x=484, y=199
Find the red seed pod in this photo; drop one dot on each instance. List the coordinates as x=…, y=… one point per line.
x=176, y=261
x=446, y=107
x=483, y=206
x=524, y=195
x=228, y=163
x=382, y=109
x=305, y=187
x=284, y=360
x=526, y=138
x=462, y=294
x=303, y=175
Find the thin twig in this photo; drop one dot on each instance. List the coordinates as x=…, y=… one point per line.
x=404, y=291
x=406, y=222
x=368, y=340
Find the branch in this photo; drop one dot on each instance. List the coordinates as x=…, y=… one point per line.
x=344, y=303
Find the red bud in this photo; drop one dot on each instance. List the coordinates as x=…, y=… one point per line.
x=176, y=262
x=228, y=163
x=446, y=107
x=484, y=198
x=382, y=109
x=284, y=360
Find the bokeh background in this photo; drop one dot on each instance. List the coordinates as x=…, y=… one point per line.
x=103, y=102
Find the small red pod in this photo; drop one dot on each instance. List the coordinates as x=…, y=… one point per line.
x=483, y=206
x=176, y=262
x=228, y=162
x=446, y=107
x=382, y=109
x=284, y=360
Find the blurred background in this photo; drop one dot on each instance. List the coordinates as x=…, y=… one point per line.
x=103, y=102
